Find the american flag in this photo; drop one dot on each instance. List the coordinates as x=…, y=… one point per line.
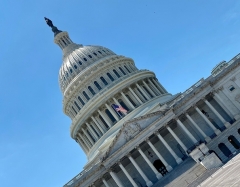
x=119, y=108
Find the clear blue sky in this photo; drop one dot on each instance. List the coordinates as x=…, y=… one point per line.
x=180, y=40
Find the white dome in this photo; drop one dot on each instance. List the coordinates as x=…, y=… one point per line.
x=79, y=59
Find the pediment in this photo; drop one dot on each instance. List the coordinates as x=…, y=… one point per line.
x=130, y=129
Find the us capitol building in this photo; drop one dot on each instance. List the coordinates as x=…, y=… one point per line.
x=133, y=131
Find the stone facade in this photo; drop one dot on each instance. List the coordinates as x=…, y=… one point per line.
x=159, y=131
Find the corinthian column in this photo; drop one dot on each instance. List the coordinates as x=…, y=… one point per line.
x=178, y=160
x=148, y=182
x=128, y=175
x=143, y=92
x=226, y=124
x=168, y=167
x=158, y=175
x=150, y=90
x=105, y=182
x=115, y=178
x=216, y=131
x=135, y=95
x=186, y=131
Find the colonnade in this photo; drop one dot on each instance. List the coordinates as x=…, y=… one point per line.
x=173, y=153
x=100, y=122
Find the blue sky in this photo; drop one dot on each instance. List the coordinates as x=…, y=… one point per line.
x=181, y=41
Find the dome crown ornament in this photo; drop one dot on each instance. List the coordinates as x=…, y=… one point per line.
x=50, y=24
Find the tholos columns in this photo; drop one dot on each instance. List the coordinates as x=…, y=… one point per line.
x=128, y=175
x=115, y=178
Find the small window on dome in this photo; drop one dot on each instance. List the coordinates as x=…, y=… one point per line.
x=80, y=99
x=64, y=78
x=122, y=71
x=77, y=105
x=104, y=51
x=75, y=66
x=74, y=110
x=127, y=69
x=116, y=73
x=67, y=74
x=100, y=52
x=110, y=76
x=85, y=59
x=95, y=54
x=80, y=63
x=103, y=80
x=97, y=85
x=91, y=90
x=71, y=70
x=86, y=95
x=90, y=56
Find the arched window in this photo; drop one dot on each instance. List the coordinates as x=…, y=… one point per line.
x=234, y=142
x=103, y=121
x=71, y=70
x=110, y=115
x=90, y=56
x=110, y=76
x=116, y=73
x=100, y=52
x=95, y=54
x=91, y=90
x=74, y=110
x=66, y=74
x=97, y=85
x=147, y=91
x=127, y=69
x=80, y=99
x=86, y=95
x=224, y=149
x=129, y=98
x=103, y=80
x=122, y=71
x=123, y=104
x=77, y=105
x=75, y=66
x=80, y=63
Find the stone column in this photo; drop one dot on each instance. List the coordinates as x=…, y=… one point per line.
x=128, y=175
x=154, y=87
x=86, y=143
x=149, y=89
x=148, y=182
x=135, y=95
x=140, y=95
x=112, y=112
x=207, y=138
x=178, y=160
x=96, y=128
x=82, y=144
x=115, y=178
x=168, y=167
x=222, y=103
x=226, y=124
x=88, y=137
x=98, y=125
x=216, y=131
x=143, y=92
x=126, y=99
x=158, y=175
x=177, y=139
x=186, y=131
x=105, y=182
x=116, y=101
x=92, y=131
x=159, y=87
x=107, y=122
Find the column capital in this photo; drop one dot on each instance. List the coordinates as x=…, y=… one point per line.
x=203, y=98
x=147, y=139
x=128, y=155
x=233, y=79
x=156, y=132
x=220, y=88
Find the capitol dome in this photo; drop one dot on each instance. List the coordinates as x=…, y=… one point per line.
x=79, y=59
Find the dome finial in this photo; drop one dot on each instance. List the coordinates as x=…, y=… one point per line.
x=50, y=24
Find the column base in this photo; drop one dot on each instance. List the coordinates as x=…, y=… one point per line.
x=169, y=168
x=207, y=139
x=149, y=183
x=179, y=160
x=227, y=124
x=159, y=176
x=217, y=131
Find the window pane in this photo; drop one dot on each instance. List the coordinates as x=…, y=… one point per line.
x=86, y=96
x=110, y=76
x=122, y=71
x=103, y=80
x=91, y=90
x=116, y=73
x=97, y=85
x=80, y=99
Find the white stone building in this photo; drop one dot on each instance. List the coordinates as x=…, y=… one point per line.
x=163, y=139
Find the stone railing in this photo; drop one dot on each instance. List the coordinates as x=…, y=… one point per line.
x=184, y=94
